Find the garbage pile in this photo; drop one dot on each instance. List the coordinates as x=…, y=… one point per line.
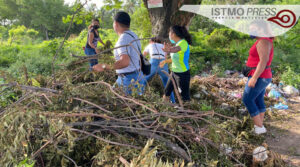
x=228, y=92
x=281, y=93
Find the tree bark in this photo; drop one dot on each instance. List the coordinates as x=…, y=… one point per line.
x=46, y=32
x=163, y=18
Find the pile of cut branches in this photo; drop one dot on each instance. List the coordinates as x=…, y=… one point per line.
x=81, y=119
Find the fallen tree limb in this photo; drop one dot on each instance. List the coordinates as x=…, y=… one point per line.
x=37, y=89
x=100, y=138
x=46, y=144
x=175, y=148
x=122, y=97
x=93, y=104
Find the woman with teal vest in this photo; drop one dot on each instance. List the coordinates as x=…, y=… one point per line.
x=180, y=54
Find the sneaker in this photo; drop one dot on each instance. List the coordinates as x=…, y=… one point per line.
x=259, y=130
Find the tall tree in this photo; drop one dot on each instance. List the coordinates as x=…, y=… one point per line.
x=8, y=10
x=163, y=18
x=45, y=15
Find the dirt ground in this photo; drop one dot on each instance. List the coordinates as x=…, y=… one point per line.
x=283, y=134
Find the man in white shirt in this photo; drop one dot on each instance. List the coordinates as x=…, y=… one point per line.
x=127, y=58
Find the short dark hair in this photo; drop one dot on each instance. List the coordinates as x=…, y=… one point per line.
x=182, y=32
x=123, y=19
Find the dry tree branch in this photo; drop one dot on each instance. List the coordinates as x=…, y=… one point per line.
x=93, y=104
x=62, y=43
x=100, y=138
x=70, y=159
x=174, y=147
x=124, y=161
x=33, y=88
x=122, y=97
x=86, y=58
x=175, y=87
x=17, y=102
x=46, y=144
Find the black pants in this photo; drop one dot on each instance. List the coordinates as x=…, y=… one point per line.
x=182, y=81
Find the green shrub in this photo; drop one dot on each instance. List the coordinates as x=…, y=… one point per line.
x=290, y=77
x=218, y=70
x=222, y=37
x=21, y=34
x=8, y=55
x=198, y=37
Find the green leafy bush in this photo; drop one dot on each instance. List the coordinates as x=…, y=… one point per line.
x=290, y=77
x=21, y=34
x=222, y=37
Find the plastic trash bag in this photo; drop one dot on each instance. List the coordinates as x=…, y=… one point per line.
x=274, y=94
x=291, y=91
x=281, y=106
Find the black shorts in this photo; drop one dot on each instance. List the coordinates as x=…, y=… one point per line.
x=182, y=81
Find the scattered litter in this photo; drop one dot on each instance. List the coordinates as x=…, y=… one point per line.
x=225, y=106
x=281, y=106
x=229, y=72
x=242, y=82
x=281, y=85
x=271, y=86
x=241, y=76
x=225, y=149
x=243, y=111
x=291, y=91
x=260, y=154
x=204, y=74
x=222, y=93
x=235, y=95
x=274, y=94
x=197, y=96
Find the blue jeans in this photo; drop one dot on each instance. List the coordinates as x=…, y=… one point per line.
x=130, y=82
x=155, y=69
x=91, y=52
x=253, y=98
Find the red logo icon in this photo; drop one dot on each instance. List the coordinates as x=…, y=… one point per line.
x=284, y=18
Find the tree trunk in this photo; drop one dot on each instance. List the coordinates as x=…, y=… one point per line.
x=163, y=18
x=46, y=33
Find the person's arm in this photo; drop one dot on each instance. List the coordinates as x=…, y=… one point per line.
x=122, y=63
x=263, y=49
x=171, y=49
x=145, y=53
x=124, y=60
x=146, y=50
x=100, y=40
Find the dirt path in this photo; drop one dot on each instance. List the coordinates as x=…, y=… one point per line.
x=284, y=133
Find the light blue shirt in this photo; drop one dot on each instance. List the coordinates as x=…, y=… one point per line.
x=134, y=54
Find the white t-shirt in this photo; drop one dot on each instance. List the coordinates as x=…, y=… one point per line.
x=134, y=54
x=155, y=51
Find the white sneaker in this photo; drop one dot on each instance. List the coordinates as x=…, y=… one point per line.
x=259, y=130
